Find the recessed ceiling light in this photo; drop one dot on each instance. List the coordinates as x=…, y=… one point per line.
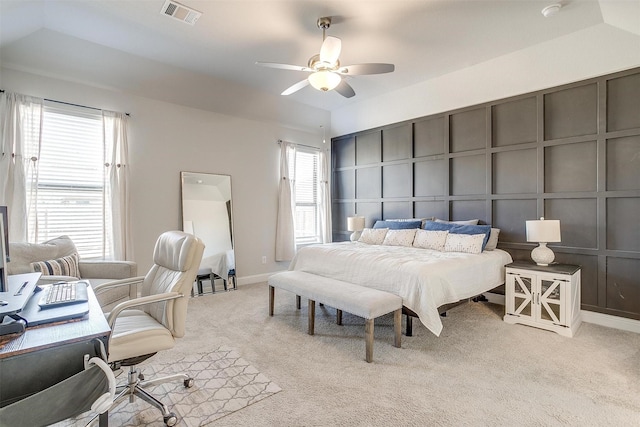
x=551, y=10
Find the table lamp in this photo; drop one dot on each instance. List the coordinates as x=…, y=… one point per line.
x=355, y=224
x=543, y=231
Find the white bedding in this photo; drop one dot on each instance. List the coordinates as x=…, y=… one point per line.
x=424, y=278
x=220, y=263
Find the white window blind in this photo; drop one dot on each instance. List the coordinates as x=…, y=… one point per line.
x=70, y=180
x=304, y=172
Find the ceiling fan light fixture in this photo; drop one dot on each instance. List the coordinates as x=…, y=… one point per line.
x=324, y=80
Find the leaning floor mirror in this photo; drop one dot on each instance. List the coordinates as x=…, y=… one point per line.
x=208, y=214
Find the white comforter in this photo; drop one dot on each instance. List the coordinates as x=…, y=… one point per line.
x=220, y=263
x=424, y=278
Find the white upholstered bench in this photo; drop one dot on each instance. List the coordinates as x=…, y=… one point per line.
x=361, y=301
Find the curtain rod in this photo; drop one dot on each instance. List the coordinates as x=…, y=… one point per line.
x=72, y=104
x=301, y=145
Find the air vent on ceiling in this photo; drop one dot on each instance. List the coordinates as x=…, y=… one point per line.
x=180, y=12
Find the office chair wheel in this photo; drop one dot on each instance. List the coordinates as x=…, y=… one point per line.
x=171, y=419
x=188, y=383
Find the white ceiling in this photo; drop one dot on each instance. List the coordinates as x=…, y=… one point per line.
x=423, y=38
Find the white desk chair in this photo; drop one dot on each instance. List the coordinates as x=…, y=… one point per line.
x=150, y=323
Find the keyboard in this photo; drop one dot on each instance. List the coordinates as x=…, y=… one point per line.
x=63, y=293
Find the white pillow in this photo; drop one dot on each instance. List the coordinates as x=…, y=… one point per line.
x=400, y=237
x=466, y=222
x=492, y=243
x=428, y=239
x=373, y=236
x=467, y=243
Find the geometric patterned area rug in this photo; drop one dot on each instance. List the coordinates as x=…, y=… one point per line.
x=224, y=383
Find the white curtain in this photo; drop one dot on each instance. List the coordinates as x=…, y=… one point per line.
x=324, y=199
x=20, y=139
x=117, y=187
x=285, y=230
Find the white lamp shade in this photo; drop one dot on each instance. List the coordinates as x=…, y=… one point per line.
x=355, y=223
x=324, y=80
x=543, y=230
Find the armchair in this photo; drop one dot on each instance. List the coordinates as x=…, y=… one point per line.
x=151, y=322
x=25, y=257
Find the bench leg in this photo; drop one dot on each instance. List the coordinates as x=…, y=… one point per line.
x=368, y=337
x=271, y=299
x=397, y=327
x=298, y=302
x=339, y=317
x=312, y=316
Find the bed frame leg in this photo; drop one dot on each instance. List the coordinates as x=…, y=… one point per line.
x=312, y=316
x=443, y=314
x=409, y=329
x=272, y=292
x=480, y=298
x=339, y=317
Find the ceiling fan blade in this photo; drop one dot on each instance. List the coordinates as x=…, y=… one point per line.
x=362, y=69
x=283, y=66
x=296, y=87
x=345, y=89
x=330, y=50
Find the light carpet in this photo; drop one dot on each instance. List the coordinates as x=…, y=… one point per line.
x=224, y=383
x=479, y=372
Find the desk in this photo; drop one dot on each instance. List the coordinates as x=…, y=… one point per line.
x=47, y=354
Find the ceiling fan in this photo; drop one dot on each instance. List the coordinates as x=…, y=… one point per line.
x=326, y=71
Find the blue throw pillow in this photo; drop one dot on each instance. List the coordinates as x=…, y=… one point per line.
x=397, y=225
x=460, y=229
x=439, y=226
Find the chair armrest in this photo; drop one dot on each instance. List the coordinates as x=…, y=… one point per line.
x=131, y=282
x=101, y=269
x=167, y=296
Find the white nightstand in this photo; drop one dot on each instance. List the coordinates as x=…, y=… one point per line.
x=544, y=297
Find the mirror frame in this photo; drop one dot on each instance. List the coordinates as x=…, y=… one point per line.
x=202, y=178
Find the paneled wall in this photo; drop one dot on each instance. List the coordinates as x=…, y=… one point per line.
x=570, y=153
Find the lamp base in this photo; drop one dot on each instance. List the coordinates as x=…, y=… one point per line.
x=355, y=236
x=542, y=255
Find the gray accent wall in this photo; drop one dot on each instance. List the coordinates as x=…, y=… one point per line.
x=570, y=153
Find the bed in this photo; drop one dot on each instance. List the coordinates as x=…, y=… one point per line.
x=220, y=263
x=426, y=279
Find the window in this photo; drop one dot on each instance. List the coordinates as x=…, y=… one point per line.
x=303, y=172
x=68, y=192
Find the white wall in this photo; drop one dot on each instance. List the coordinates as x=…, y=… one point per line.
x=165, y=139
x=593, y=52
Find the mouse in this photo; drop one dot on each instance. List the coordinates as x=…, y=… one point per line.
x=3, y=303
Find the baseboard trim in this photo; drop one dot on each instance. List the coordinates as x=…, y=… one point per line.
x=256, y=278
x=610, y=321
x=494, y=298
x=601, y=319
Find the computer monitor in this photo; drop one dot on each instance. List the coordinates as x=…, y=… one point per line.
x=4, y=248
